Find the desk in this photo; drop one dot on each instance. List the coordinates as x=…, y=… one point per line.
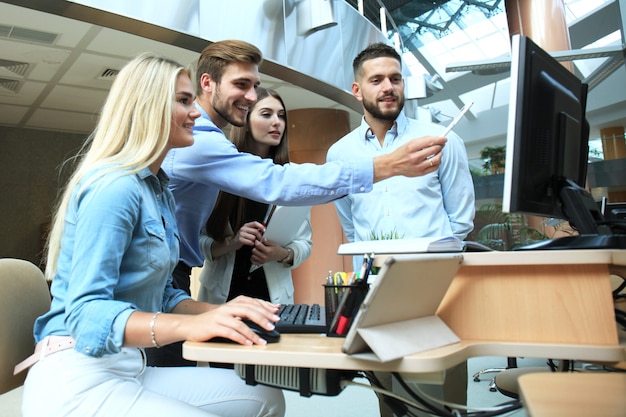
x=544, y=304
x=574, y=394
x=319, y=351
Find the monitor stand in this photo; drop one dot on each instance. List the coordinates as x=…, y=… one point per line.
x=609, y=241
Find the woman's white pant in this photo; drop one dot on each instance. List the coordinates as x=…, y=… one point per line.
x=68, y=383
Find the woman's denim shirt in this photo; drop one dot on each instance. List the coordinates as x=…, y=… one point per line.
x=120, y=245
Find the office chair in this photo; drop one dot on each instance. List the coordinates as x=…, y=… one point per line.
x=511, y=362
x=24, y=295
x=506, y=382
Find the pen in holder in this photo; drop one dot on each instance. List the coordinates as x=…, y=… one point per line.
x=342, y=303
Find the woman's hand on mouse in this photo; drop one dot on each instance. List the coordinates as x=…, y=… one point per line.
x=226, y=321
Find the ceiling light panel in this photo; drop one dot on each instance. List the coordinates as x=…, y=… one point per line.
x=28, y=35
x=5, y=30
x=31, y=35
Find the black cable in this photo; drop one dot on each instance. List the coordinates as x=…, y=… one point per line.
x=507, y=407
x=513, y=405
x=398, y=407
x=551, y=365
x=620, y=318
x=565, y=365
x=620, y=315
x=436, y=411
x=403, y=408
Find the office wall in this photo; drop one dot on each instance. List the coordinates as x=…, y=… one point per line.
x=29, y=180
x=311, y=133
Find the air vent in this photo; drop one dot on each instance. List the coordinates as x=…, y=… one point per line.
x=28, y=35
x=16, y=67
x=9, y=86
x=5, y=31
x=108, y=74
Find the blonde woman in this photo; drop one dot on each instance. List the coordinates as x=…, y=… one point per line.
x=112, y=249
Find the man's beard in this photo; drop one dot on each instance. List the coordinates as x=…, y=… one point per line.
x=221, y=108
x=392, y=114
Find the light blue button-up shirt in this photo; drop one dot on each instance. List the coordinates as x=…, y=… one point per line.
x=437, y=204
x=198, y=172
x=119, y=248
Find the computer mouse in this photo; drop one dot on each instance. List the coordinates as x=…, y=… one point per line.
x=269, y=336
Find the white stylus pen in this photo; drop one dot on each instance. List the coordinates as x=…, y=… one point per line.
x=457, y=118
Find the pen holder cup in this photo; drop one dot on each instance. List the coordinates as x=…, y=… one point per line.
x=342, y=303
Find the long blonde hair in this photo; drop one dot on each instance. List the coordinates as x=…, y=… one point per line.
x=132, y=132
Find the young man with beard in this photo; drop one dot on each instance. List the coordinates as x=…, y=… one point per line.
x=227, y=74
x=440, y=203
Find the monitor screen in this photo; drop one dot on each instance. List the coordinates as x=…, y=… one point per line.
x=547, y=149
x=547, y=138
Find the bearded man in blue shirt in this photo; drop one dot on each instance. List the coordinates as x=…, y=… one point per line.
x=440, y=203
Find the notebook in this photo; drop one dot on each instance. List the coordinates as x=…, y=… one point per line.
x=285, y=223
x=397, y=317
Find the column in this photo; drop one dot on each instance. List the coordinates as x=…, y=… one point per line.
x=311, y=132
x=541, y=20
x=544, y=22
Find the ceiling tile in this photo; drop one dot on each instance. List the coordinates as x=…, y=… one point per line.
x=57, y=120
x=116, y=43
x=64, y=97
x=69, y=34
x=88, y=67
x=11, y=115
x=27, y=95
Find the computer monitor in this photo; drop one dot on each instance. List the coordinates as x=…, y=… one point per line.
x=548, y=144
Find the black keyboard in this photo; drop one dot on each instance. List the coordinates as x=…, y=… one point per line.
x=301, y=318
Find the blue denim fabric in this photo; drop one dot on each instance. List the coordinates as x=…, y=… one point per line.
x=119, y=248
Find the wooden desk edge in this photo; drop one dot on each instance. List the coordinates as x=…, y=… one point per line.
x=574, y=394
x=318, y=351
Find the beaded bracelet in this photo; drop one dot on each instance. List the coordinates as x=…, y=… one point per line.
x=152, y=335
